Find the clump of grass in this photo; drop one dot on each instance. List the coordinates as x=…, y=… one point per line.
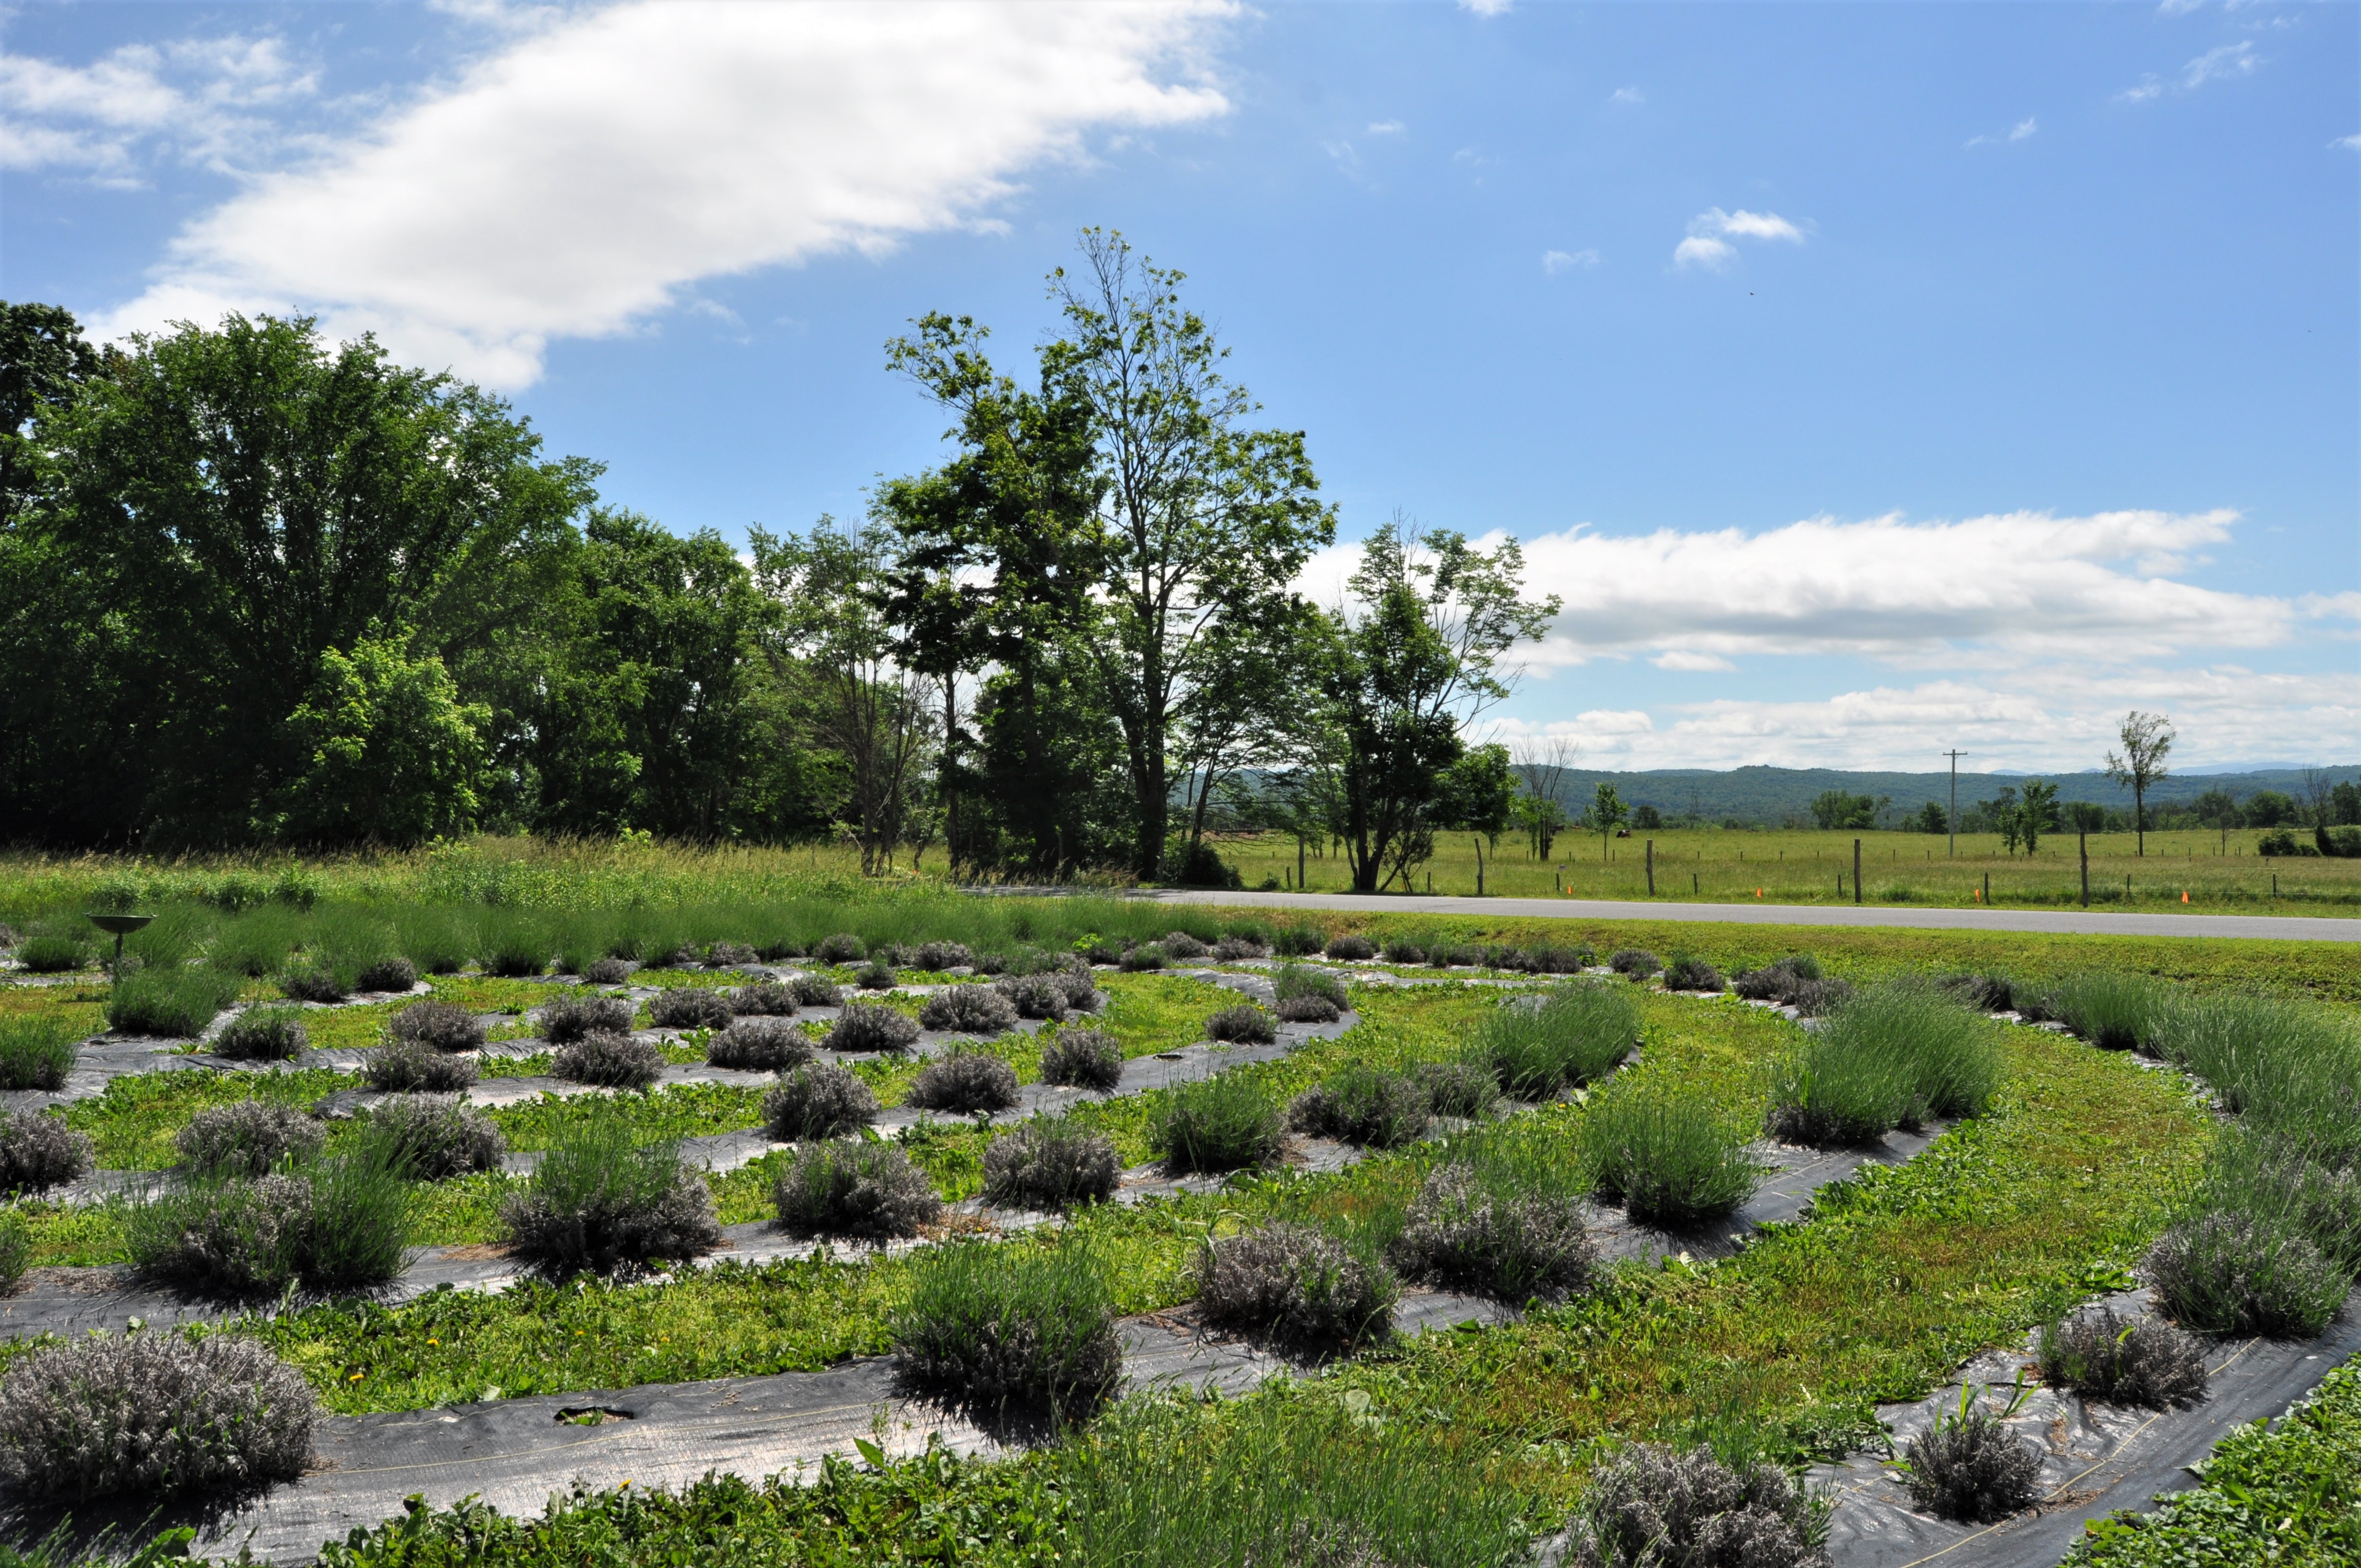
x=53, y=953
x=341, y=1224
x=869, y=1191
x=764, y=999
x=2288, y=1068
x=39, y=1151
x=1049, y=1163
x=1363, y=1106
x=432, y=1138
x=1142, y=958
x=1969, y=1467
x=1464, y=1088
x=395, y=974
x=1010, y=1328
x=871, y=1028
x=815, y=991
x=2135, y=1362
x=575, y=1019
x=1652, y=1506
x=516, y=955
x=877, y=974
x=1295, y=1284
x=169, y=1002
x=36, y=1052
x=1223, y=1123
x=1686, y=973
x=152, y=1413
x=1476, y=1225
x=818, y=1100
x=1307, y=995
x=1245, y=1024
x=1403, y=950
x=249, y=1138
x=844, y=948
x=963, y=1083
x=1773, y=981
x=1670, y=1158
x=761, y=1044
x=600, y=1200
x=689, y=1007
x=439, y=1026
x=1574, y=1036
x=1299, y=941
x=1307, y=1009
x=1183, y=945
x=2111, y=1009
x=402, y=1064
x=16, y=1249
x=263, y=1033
x=1564, y=960
x=611, y=1061
x=970, y=1009
x=1892, y=1056
x=1636, y=963
x=1082, y=1058
x=312, y=979
x=1350, y=947
x=1454, y=955
x=1984, y=993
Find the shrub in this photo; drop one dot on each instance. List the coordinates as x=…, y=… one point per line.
x=730, y=955
x=516, y=956
x=36, y=1052
x=344, y=1225
x=52, y=954
x=151, y=1413
x=401, y=1064
x=867, y=1190
x=1472, y=1229
x=1082, y=993
x=1199, y=865
x=395, y=973
x=813, y=991
x=1295, y=1284
x=1817, y=998
x=1293, y=980
x=174, y=1003
x=1245, y=1024
x=871, y=1028
x=1687, y=973
x=1313, y=1009
x=764, y=999
x=1889, y=1057
x=247, y=1138
x=1363, y=1106
x=1669, y=1159
x=999, y=1327
x=39, y=1151
x=16, y=1249
x=612, y=1061
x=844, y=948
x=312, y=981
x=1634, y=963
x=442, y=1025
x=608, y=972
x=1515, y=959
x=1048, y=1162
x=1970, y=1467
x=1350, y=947
x=1182, y=945
x=2229, y=1273
x=1984, y=993
x=1299, y=941
x=941, y=955
x=1082, y=1058
x=1402, y=950
x=1564, y=960
x=1574, y=1035
x=1092, y=951
x=760, y=1045
x=1773, y=981
x=1238, y=946
x=600, y=1200
x=1221, y=1123
x=436, y=1136
x=1652, y=1505
x=564, y=1022
x=1464, y=1088
x=964, y=1083
x=1140, y=959
x=263, y=1033
x=1035, y=995
x=2142, y=1362
x=970, y=1009
x=876, y=975
x=1453, y=955
x=689, y=1007
x=2112, y=1010
x=818, y=1100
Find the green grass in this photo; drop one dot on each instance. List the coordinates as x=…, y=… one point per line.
x=36, y=1050
x=132, y=1124
x=1669, y=1156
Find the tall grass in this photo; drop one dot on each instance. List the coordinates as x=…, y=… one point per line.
x=1010, y=1327
x=2290, y=1067
x=600, y=1199
x=175, y=1002
x=36, y=1051
x=2110, y=1008
x=1670, y=1158
x=1574, y=1035
x=1891, y=1056
x=1223, y=1123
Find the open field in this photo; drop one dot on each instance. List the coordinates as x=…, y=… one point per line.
x=2057, y=1166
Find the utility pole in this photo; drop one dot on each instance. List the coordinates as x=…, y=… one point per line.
x=1954, y=756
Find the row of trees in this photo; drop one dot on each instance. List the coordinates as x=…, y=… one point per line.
x=259, y=587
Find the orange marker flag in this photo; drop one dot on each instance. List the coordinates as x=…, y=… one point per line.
x=2184, y=895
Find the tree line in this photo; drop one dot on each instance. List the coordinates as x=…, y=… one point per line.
x=263, y=588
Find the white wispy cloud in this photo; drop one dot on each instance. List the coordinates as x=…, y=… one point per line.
x=1556, y=261
x=586, y=171
x=1711, y=232
x=2022, y=131
x=2177, y=7
x=207, y=101
x=2351, y=143
x=1626, y=97
x=2216, y=65
x=1386, y=129
x=1487, y=7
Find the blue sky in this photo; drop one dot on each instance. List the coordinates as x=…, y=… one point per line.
x=1869, y=380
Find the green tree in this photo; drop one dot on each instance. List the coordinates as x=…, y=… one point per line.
x=393, y=756
x=44, y=364
x=1837, y=809
x=1932, y=818
x=2037, y=812
x=1606, y=814
x=2146, y=739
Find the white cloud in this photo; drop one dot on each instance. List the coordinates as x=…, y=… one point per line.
x=1387, y=128
x=1687, y=658
x=2023, y=128
x=584, y=175
x=1707, y=244
x=2230, y=60
x=2149, y=87
x=202, y=99
x=2177, y=7
x=1556, y=261
x=1487, y=7
x=2352, y=143
x=1626, y=97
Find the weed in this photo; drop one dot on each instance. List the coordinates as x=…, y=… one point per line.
x=400, y=1064
x=172, y=1003
x=36, y=1051
x=1574, y=1036
x=436, y=1136
x=442, y=1025
x=600, y=1200
x=1049, y=1163
x=1652, y=1505
x=1970, y=1467
x=689, y=1007
x=562, y=1023
x=1670, y=1158
x=2139, y=1362
x=612, y=1061
x=867, y=1190
x=818, y=1100
x=996, y=1327
x=263, y=1033
x=39, y=1151
x=148, y=1413
x=1471, y=1228
x=1082, y=1058
x=1245, y=1024
x=1363, y=1106
x=249, y=1138
x=1223, y=1123
x=964, y=1082
x=1295, y=1284
x=970, y=1009
x=760, y=1043
x=864, y=1027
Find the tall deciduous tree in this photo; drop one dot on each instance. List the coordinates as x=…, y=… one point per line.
x=2146, y=739
x=1606, y=814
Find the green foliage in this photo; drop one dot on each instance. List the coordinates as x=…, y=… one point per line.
x=173, y=1002
x=1222, y=1123
x=1576, y=1035
x=1001, y=1327
x=1889, y=1057
x=36, y=1051
x=602, y=1198
x=1670, y=1158
x=2110, y=1008
x=1834, y=808
x=392, y=754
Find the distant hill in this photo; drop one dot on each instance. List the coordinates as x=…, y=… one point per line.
x=1770, y=795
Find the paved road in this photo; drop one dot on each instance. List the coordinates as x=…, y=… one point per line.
x=2275, y=928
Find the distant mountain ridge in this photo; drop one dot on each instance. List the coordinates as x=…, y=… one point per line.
x=1768, y=795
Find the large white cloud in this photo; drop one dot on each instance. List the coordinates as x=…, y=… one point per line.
x=584, y=174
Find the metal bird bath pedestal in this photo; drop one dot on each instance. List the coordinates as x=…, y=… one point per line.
x=122, y=925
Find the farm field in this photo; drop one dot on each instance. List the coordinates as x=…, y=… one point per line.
x=1472, y=1137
